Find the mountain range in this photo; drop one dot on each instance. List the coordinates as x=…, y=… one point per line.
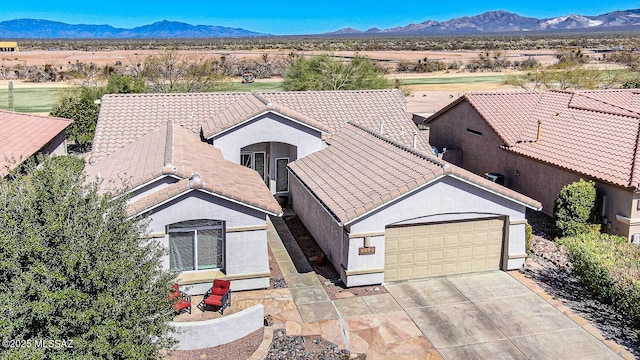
x=46, y=29
x=503, y=21
x=488, y=22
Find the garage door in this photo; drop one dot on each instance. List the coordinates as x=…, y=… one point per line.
x=442, y=249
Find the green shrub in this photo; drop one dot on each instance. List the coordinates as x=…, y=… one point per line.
x=528, y=232
x=575, y=208
x=609, y=266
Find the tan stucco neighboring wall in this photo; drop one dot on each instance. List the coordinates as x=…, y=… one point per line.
x=538, y=180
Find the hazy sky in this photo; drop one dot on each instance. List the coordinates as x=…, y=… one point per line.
x=291, y=17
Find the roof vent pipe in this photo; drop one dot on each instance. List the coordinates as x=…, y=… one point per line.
x=195, y=181
x=381, y=127
x=539, y=131
x=415, y=139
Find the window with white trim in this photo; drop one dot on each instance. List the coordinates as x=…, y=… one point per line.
x=246, y=160
x=196, y=245
x=282, y=175
x=256, y=161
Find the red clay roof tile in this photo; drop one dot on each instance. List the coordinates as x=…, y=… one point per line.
x=594, y=133
x=23, y=135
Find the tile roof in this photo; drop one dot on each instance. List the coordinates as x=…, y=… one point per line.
x=248, y=107
x=171, y=150
x=373, y=109
x=125, y=118
x=594, y=133
x=23, y=135
x=360, y=171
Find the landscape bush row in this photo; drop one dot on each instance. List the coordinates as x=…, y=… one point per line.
x=608, y=266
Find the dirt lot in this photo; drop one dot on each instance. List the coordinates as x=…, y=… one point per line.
x=109, y=57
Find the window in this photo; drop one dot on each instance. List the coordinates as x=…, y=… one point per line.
x=282, y=175
x=256, y=161
x=475, y=132
x=196, y=245
x=246, y=160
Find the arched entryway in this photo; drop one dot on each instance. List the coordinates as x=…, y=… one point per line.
x=270, y=160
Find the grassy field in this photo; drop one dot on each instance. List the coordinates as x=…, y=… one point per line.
x=257, y=86
x=30, y=100
x=454, y=80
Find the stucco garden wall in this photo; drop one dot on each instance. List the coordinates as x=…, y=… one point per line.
x=195, y=335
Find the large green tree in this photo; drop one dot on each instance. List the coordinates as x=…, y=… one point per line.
x=81, y=104
x=326, y=73
x=74, y=268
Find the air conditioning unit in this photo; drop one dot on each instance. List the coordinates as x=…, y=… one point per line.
x=495, y=177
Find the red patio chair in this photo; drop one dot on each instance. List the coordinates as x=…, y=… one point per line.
x=180, y=301
x=218, y=296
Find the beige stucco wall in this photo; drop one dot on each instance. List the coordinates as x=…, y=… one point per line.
x=245, y=248
x=322, y=226
x=447, y=199
x=538, y=180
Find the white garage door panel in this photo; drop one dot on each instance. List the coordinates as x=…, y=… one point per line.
x=442, y=249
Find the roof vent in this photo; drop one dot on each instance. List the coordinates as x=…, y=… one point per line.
x=539, y=131
x=196, y=182
x=168, y=168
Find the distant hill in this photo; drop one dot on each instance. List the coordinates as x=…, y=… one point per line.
x=45, y=29
x=488, y=22
x=503, y=21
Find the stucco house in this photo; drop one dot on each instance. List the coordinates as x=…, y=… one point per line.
x=383, y=211
x=210, y=166
x=209, y=212
x=542, y=141
x=24, y=135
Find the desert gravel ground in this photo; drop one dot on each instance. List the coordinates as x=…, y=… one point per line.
x=549, y=266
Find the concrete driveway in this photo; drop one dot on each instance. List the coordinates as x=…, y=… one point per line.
x=493, y=316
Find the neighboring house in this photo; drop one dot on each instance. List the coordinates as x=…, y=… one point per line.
x=383, y=211
x=23, y=136
x=212, y=163
x=542, y=141
x=9, y=46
